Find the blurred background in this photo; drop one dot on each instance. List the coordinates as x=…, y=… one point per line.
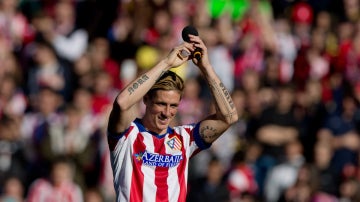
x=292, y=67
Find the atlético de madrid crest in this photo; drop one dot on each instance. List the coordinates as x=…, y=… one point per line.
x=174, y=143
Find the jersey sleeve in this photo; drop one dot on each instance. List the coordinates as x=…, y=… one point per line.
x=198, y=139
x=114, y=138
x=193, y=142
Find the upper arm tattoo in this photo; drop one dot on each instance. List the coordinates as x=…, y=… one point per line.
x=209, y=132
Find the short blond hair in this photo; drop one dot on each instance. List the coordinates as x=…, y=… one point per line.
x=168, y=81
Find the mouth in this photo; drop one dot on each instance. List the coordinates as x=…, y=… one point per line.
x=163, y=120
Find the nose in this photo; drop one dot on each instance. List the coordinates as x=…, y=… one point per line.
x=167, y=111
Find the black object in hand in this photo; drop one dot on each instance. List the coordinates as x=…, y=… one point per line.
x=185, y=35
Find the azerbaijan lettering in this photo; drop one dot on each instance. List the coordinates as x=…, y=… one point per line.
x=153, y=159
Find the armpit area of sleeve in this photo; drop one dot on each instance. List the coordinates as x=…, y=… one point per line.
x=113, y=139
x=198, y=139
x=117, y=135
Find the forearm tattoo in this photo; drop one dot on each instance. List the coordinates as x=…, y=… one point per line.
x=137, y=83
x=227, y=95
x=224, y=97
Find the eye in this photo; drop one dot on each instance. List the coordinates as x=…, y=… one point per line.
x=161, y=103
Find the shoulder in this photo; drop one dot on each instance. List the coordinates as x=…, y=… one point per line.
x=134, y=126
x=185, y=129
x=185, y=126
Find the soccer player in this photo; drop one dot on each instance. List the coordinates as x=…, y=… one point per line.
x=149, y=158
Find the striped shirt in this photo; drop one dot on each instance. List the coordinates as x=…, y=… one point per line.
x=152, y=167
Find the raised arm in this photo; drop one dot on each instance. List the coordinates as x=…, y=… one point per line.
x=124, y=106
x=214, y=125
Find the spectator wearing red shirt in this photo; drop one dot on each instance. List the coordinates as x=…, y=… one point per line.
x=59, y=187
x=241, y=178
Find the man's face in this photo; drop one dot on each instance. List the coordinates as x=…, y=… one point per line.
x=160, y=110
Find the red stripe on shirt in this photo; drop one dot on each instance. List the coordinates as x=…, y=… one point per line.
x=190, y=132
x=161, y=173
x=137, y=179
x=181, y=171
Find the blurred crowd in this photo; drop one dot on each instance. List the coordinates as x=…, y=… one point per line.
x=292, y=67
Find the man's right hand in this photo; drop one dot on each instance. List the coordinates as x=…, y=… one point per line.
x=179, y=55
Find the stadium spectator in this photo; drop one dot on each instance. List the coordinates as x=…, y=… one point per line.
x=211, y=186
x=58, y=186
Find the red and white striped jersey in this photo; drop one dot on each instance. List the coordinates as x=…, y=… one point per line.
x=152, y=167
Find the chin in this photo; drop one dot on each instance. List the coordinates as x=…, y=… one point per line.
x=162, y=127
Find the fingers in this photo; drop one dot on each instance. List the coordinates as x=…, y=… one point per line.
x=197, y=42
x=183, y=51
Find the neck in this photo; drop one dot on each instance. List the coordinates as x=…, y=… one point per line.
x=151, y=128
